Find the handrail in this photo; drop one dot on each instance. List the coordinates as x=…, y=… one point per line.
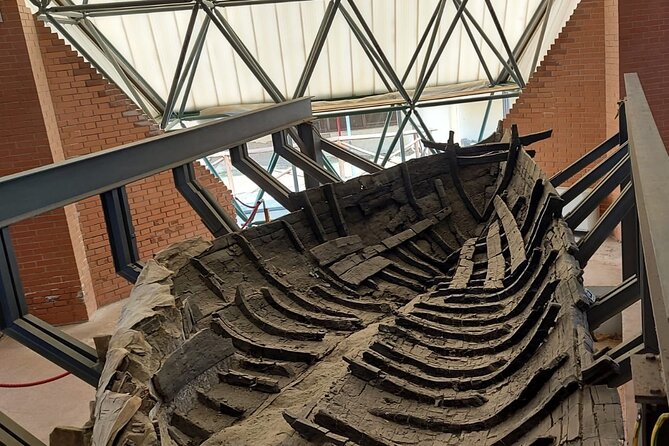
x=650, y=166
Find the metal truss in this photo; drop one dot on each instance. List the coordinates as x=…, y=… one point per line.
x=171, y=110
x=635, y=162
x=430, y=48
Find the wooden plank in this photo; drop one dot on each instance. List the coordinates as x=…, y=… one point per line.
x=513, y=235
x=465, y=264
x=496, y=263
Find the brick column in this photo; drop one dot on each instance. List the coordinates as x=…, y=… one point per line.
x=644, y=33
x=57, y=106
x=568, y=91
x=29, y=138
x=93, y=114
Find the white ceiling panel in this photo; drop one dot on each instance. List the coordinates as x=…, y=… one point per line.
x=280, y=36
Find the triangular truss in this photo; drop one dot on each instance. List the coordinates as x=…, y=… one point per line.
x=81, y=24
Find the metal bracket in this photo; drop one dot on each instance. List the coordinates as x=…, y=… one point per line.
x=603, y=189
x=350, y=157
x=589, y=244
x=122, y=239
x=49, y=342
x=590, y=157
x=246, y=165
x=315, y=175
x=613, y=302
x=212, y=214
x=11, y=434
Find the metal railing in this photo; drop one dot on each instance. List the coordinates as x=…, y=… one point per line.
x=638, y=166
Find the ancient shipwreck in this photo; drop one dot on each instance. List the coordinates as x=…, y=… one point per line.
x=436, y=302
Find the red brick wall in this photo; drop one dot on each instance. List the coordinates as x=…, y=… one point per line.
x=644, y=49
x=568, y=91
x=612, y=64
x=56, y=106
x=93, y=115
x=29, y=138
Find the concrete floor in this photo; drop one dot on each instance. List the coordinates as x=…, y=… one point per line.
x=66, y=402
x=60, y=403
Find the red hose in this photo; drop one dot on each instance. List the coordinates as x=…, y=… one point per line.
x=34, y=383
x=244, y=204
x=253, y=214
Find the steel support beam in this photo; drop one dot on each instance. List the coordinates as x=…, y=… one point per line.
x=82, y=12
x=214, y=217
x=11, y=434
x=179, y=72
x=315, y=175
x=441, y=6
x=484, y=122
x=650, y=165
x=243, y=52
x=330, y=168
x=194, y=60
x=526, y=37
x=626, y=347
x=383, y=60
x=49, y=187
x=613, y=302
x=366, y=46
x=478, y=52
x=630, y=225
x=101, y=42
x=590, y=157
x=246, y=165
x=53, y=344
x=505, y=43
x=624, y=363
x=422, y=82
x=122, y=240
x=595, y=174
x=436, y=16
x=418, y=105
x=309, y=142
x=120, y=6
x=397, y=137
x=648, y=321
x=426, y=129
x=506, y=66
x=542, y=35
x=148, y=6
x=131, y=73
x=594, y=198
x=56, y=346
x=316, y=48
x=382, y=139
x=12, y=304
x=605, y=225
x=349, y=157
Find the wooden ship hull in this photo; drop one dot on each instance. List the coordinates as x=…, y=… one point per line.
x=436, y=302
